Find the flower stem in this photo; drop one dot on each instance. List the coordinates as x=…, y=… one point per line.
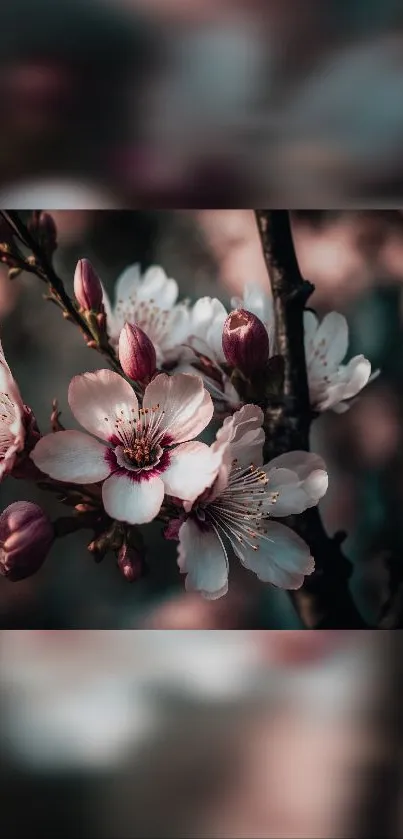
x=325, y=600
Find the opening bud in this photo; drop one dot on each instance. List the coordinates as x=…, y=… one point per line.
x=87, y=287
x=245, y=342
x=137, y=354
x=131, y=563
x=26, y=535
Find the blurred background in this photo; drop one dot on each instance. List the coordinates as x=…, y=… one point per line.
x=205, y=103
x=225, y=735
x=355, y=260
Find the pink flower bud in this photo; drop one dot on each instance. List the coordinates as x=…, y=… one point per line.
x=26, y=535
x=131, y=563
x=137, y=354
x=87, y=287
x=245, y=342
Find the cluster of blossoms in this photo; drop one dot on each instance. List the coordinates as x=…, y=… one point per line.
x=182, y=368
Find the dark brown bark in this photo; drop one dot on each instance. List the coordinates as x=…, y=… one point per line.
x=325, y=600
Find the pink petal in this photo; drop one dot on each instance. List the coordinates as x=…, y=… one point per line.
x=98, y=399
x=71, y=456
x=187, y=406
x=135, y=502
x=202, y=557
x=7, y=462
x=192, y=468
x=8, y=384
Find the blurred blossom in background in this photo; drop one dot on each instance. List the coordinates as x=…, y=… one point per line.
x=228, y=734
x=355, y=259
x=202, y=103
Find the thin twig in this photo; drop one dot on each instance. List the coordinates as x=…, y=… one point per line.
x=47, y=273
x=325, y=600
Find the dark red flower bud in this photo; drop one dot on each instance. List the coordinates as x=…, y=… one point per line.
x=245, y=342
x=26, y=535
x=137, y=354
x=87, y=287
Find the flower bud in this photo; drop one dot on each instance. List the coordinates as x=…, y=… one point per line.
x=245, y=342
x=26, y=535
x=87, y=287
x=137, y=354
x=131, y=563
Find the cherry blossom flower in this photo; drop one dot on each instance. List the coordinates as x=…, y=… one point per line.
x=206, y=324
x=150, y=303
x=145, y=452
x=205, y=329
x=12, y=428
x=237, y=506
x=331, y=383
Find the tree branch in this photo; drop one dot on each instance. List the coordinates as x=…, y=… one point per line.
x=43, y=268
x=325, y=601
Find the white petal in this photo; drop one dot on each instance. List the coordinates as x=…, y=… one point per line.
x=206, y=324
x=204, y=312
x=311, y=324
x=244, y=433
x=283, y=561
x=193, y=467
x=299, y=478
x=156, y=286
x=260, y=303
x=110, y=318
x=349, y=381
x=332, y=396
x=286, y=494
x=303, y=463
x=202, y=557
x=178, y=326
x=315, y=485
x=71, y=456
x=332, y=336
x=341, y=407
x=214, y=337
x=187, y=406
x=136, y=502
x=356, y=374
x=128, y=282
x=98, y=399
